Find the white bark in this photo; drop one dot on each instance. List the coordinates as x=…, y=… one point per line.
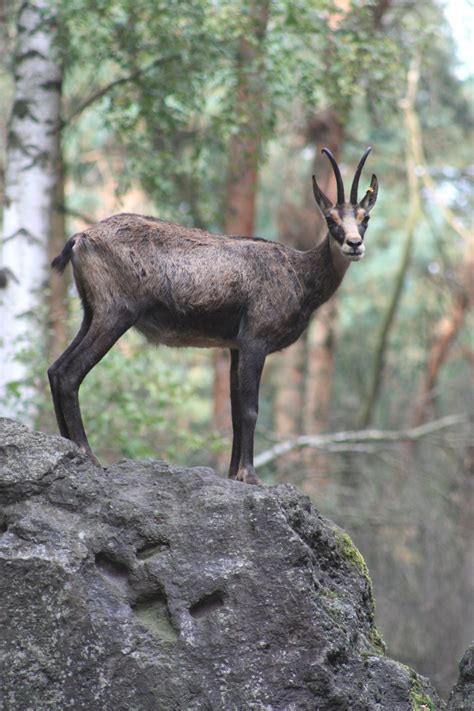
x=30, y=180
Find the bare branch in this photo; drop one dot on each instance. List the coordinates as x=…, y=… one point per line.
x=358, y=440
x=117, y=82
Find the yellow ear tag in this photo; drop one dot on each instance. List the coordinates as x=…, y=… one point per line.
x=370, y=190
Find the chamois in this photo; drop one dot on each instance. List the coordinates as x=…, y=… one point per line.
x=181, y=286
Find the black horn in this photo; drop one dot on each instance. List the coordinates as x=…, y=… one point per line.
x=355, y=182
x=337, y=173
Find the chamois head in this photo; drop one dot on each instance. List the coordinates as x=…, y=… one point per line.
x=347, y=221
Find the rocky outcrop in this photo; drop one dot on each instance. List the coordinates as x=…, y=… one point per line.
x=462, y=696
x=148, y=587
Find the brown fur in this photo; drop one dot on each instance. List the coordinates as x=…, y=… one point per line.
x=181, y=286
x=149, y=264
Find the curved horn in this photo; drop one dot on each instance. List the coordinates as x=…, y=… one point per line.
x=337, y=173
x=355, y=182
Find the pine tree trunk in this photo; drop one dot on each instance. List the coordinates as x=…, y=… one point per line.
x=324, y=129
x=289, y=395
x=244, y=156
x=320, y=368
x=30, y=188
x=305, y=370
x=412, y=160
x=444, y=335
x=302, y=228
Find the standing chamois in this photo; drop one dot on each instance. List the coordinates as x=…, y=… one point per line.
x=185, y=287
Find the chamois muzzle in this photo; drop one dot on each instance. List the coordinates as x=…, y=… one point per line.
x=353, y=250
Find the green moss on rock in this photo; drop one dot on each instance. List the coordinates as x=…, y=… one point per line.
x=352, y=554
x=376, y=640
x=419, y=700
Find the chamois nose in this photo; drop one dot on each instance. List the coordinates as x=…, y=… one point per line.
x=354, y=243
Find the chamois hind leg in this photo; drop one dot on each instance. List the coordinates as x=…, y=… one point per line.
x=251, y=362
x=54, y=368
x=103, y=332
x=236, y=414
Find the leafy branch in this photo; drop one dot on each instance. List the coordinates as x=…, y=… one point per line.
x=100, y=93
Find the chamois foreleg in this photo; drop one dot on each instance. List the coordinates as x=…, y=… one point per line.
x=73, y=366
x=250, y=366
x=236, y=414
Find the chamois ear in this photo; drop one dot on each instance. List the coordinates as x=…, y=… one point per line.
x=370, y=197
x=322, y=201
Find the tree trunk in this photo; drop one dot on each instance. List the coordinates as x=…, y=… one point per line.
x=321, y=351
x=244, y=156
x=310, y=408
x=30, y=188
x=289, y=395
x=412, y=161
x=445, y=333
x=308, y=365
x=324, y=129
x=305, y=370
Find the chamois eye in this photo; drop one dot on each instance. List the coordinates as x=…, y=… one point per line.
x=366, y=219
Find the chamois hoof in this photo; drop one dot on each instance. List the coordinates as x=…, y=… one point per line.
x=248, y=476
x=92, y=458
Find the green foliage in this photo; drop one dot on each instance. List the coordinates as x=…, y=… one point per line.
x=138, y=402
x=142, y=402
x=171, y=73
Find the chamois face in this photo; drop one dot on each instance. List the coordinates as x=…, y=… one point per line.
x=347, y=225
x=347, y=221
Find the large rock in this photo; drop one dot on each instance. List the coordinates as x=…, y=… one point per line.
x=462, y=696
x=151, y=587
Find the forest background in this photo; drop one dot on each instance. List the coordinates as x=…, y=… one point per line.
x=212, y=113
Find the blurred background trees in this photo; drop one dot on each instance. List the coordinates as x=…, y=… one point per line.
x=213, y=113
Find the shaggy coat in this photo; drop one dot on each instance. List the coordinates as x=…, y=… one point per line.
x=181, y=286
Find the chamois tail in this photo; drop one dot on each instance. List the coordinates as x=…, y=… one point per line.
x=60, y=262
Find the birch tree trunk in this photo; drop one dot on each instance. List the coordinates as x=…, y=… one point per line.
x=30, y=189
